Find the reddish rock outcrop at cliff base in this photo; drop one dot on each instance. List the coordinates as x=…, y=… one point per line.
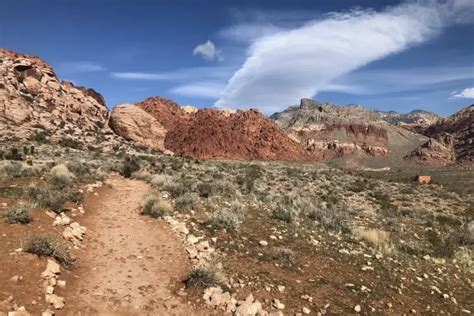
x=134, y=124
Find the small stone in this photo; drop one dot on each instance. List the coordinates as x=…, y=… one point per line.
x=357, y=308
x=15, y=278
x=277, y=304
x=281, y=288
x=47, y=313
x=61, y=284
x=56, y=301
x=306, y=310
x=192, y=239
x=263, y=243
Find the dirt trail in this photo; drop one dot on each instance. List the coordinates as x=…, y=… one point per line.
x=131, y=264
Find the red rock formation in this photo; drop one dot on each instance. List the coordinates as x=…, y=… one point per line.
x=213, y=134
x=167, y=112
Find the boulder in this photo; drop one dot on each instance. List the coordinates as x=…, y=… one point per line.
x=134, y=124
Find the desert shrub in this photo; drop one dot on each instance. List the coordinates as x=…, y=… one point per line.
x=16, y=169
x=384, y=201
x=206, y=189
x=159, y=181
x=14, y=154
x=40, y=137
x=46, y=245
x=334, y=218
x=289, y=207
x=179, y=186
x=187, y=201
x=374, y=237
x=156, y=207
x=47, y=197
x=129, y=166
x=247, y=179
x=465, y=258
x=202, y=277
x=142, y=175
x=86, y=170
x=18, y=213
x=60, y=176
x=70, y=143
x=285, y=257
x=223, y=219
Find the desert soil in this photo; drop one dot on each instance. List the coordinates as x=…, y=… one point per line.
x=131, y=264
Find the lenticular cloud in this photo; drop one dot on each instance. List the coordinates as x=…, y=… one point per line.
x=286, y=66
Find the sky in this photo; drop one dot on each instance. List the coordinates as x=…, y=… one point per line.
x=385, y=55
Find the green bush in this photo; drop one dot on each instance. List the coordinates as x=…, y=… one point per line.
x=156, y=207
x=16, y=169
x=202, y=277
x=61, y=177
x=130, y=166
x=45, y=196
x=18, y=213
x=285, y=257
x=229, y=219
x=46, y=245
x=185, y=202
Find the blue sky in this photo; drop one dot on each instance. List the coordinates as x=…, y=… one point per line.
x=388, y=55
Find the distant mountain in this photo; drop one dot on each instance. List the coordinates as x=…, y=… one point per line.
x=413, y=117
x=343, y=130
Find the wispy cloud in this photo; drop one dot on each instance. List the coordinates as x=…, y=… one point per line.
x=204, y=90
x=143, y=76
x=81, y=66
x=184, y=74
x=467, y=93
x=208, y=51
x=288, y=65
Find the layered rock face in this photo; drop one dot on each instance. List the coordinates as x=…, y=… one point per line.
x=134, y=124
x=32, y=98
x=335, y=131
x=435, y=151
x=451, y=139
x=213, y=134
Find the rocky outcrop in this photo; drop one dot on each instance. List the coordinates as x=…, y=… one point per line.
x=435, y=151
x=134, y=124
x=334, y=131
x=451, y=139
x=167, y=112
x=213, y=134
x=32, y=98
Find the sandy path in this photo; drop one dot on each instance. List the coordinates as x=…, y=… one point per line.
x=131, y=264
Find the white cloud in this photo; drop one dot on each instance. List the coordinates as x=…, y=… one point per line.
x=196, y=73
x=140, y=76
x=283, y=67
x=204, y=90
x=207, y=51
x=467, y=93
x=248, y=32
x=81, y=66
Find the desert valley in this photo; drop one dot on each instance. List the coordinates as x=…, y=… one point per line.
x=170, y=209
x=159, y=207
